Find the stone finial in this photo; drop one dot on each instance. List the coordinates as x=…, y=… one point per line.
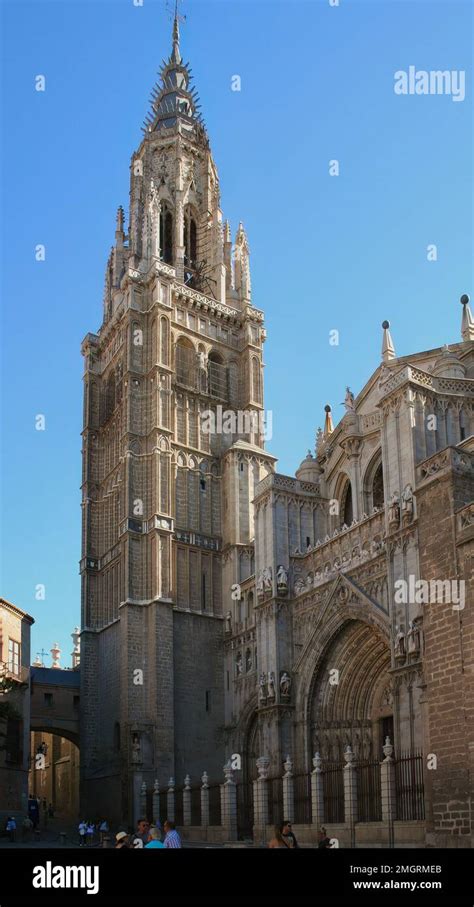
x=143, y=789
x=187, y=783
x=288, y=766
x=171, y=784
x=387, y=750
x=317, y=763
x=349, y=756
x=328, y=423
x=156, y=786
x=76, y=651
x=467, y=323
x=227, y=233
x=228, y=773
x=205, y=780
x=55, y=655
x=388, y=349
x=263, y=766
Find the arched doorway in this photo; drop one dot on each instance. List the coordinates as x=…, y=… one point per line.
x=54, y=775
x=350, y=698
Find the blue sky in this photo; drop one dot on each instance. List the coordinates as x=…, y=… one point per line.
x=327, y=252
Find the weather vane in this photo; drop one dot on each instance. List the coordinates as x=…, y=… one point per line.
x=175, y=14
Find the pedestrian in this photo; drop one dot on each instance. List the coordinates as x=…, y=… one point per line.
x=172, y=838
x=33, y=811
x=155, y=838
x=82, y=833
x=142, y=833
x=11, y=828
x=103, y=830
x=324, y=841
x=122, y=841
x=90, y=829
x=289, y=835
x=278, y=839
x=26, y=828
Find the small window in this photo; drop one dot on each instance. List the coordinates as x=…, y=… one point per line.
x=241, y=467
x=48, y=699
x=308, y=541
x=208, y=700
x=463, y=433
x=203, y=591
x=13, y=656
x=202, y=483
x=75, y=702
x=228, y=680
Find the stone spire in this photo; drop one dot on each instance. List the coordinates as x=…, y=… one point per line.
x=328, y=425
x=55, y=655
x=174, y=101
x=76, y=652
x=175, y=54
x=467, y=323
x=388, y=349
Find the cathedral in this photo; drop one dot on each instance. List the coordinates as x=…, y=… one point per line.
x=229, y=611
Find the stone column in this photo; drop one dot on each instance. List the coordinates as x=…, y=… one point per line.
x=317, y=796
x=170, y=800
x=260, y=798
x=387, y=777
x=205, y=799
x=143, y=804
x=288, y=791
x=350, y=788
x=156, y=801
x=229, y=804
x=187, y=801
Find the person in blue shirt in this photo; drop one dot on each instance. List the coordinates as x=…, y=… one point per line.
x=154, y=838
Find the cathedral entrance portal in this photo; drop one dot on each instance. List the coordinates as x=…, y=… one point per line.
x=351, y=703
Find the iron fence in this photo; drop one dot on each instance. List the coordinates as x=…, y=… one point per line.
x=245, y=811
x=333, y=792
x=195, y=806
x=409, y=787
x=275, y=801
x=369, y=792
x=302, y=794
x=214, y=804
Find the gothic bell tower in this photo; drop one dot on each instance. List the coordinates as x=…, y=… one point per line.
x=172, y=452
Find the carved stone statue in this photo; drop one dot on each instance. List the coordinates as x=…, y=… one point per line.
x=262, y=694
x=399, y=646
x=413, y=638
x=136, y=748
x=285, y=684
x=282, y=579
x=271, y=685
x=228, y=622
x=267, y=579
x=349, y=401
x=260, y=585
x=239, y=664
x=407, y=503
x=394, y=509
x=248, y=660
x=319, y=438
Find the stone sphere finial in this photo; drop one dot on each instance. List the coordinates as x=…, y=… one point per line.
x=464, y=299
x=327, y=408
x=385, y=325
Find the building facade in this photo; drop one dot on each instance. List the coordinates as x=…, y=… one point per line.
x=228, y=610
x=167, y=515
x=15, y=626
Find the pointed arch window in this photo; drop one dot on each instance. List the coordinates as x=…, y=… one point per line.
x=166, y=233
x=190, y=238
x=377, y=487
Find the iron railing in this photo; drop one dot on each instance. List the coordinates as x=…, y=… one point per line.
x=333, y=792
x=369, y=792
x=409, y=787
